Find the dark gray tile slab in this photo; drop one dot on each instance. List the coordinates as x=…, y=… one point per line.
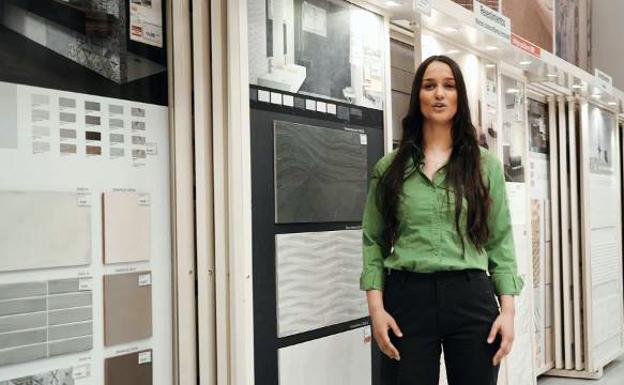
x=320, y=174
x=29, y=337
x=20, y=306
x=21, y=290
x=70, y=331
x=65, y=316
x=75, y=345
x=65, y=301
x=23, y=321
x=24, y=354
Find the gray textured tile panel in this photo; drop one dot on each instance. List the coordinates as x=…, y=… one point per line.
x=66, y=117
x=65, y=316
x=138, y=112
x=92, y=120
x=8, y=111
x=67, y=103
x=23, y=321
x=320, y=174
x=21, y=290
x=19, y=306
x=60, y=286
x=116, y=123
x=29, y=337
x=318, y=280
x=75, y=345
x=114, y=109
x=24, y=354
x=70, y=331
x=66, y=133
x=65, y=301
x=67, y=148
x=38, y=115
x=92, y=106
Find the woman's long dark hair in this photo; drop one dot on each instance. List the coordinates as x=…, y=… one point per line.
x=463, y=171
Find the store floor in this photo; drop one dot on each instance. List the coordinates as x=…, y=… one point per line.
x=613, y=375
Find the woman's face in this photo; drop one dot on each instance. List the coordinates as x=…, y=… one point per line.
x=438, y=95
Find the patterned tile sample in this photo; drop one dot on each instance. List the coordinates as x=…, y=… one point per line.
x=45, y=319
x=129, y=369
x=127, y=307
x=126, y=227
x=340, y=359
x=53, y=377
x=320, y=174
x=43, y=229
x=317, y=280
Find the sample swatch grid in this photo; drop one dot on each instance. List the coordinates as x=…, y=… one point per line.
x=45, y=319
x=85, y=127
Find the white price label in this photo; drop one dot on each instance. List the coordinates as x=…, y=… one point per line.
x=85, y=284
x=310, y=105
x=289, y=100
x=276, y=98
x=84, y=200
x=144, y=200
x=331, y=109
x=145, y=358
x=81, y=372
x=145, y=279
x=264, y=96
x=321, y=107
x=363, y=139
x=151, y=148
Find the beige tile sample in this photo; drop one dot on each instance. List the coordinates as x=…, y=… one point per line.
x=126, y=227
x=42, y=230
x=127, y=307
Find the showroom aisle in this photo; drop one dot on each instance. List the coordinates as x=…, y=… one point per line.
x=614, y=375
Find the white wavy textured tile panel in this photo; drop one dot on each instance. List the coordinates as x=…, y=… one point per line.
x=318, y=280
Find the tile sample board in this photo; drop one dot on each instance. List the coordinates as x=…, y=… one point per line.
x=45, y=319
x=126, y=227
x=317, y=280
x=129, y=369
x=340, y=359
x=52, y=377
x=42, y=229
x=127, y=307
x=320, y=174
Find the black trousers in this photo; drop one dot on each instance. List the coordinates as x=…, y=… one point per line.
x=453, y=311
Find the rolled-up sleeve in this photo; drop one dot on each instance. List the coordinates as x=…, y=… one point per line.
x=500, y=245
x=373, y=245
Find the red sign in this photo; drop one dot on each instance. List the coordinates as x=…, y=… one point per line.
x=526, y=45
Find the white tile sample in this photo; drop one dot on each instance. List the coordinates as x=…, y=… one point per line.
x=318, y=280
x=126, y=227
x=341, y=359
x=43, y=229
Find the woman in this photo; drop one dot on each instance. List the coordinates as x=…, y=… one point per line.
x=436, y=219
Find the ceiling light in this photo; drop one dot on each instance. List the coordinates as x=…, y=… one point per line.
x=450, y=29
x=490, y=65
x=596, y=96
x=612, y=103
x=577, y=86
x=552, y=75
x=525, y=63
x=491, y=48
x=512, y=91
x=391, y=3
x=452, y=51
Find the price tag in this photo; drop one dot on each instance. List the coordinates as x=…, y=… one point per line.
x=310, y=105
x=264, y=96
x=145, y=280
x=81, y=372
x=289, y=100
x=144, y=200
x=321, y=107
x=331, y=109
x=151, y=148
x=85, y=284
x=145, y=357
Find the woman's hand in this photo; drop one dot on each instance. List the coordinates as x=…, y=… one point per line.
x=503, y=325
x=382, y=322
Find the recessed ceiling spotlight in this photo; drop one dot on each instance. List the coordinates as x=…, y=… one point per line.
x=512, y=91
x=450, y=29
x=596, y=96
x=491, y=48
x=612, y=103
x=525, y=63
x=577, y=86
x=391, y=3
x=490, y=65
x=552, y=75
x=452, y=51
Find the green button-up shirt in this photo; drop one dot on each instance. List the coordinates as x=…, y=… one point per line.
x=427, y=240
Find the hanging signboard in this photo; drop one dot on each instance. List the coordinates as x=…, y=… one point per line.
x=603, y=80
x=492, y=22
x=526, y=46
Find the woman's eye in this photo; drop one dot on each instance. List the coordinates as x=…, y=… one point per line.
x=429, y=86
x=450, y=86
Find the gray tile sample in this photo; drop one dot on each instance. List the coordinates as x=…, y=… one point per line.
x=47, y=319
x=8, y=111
x=320, y=174
x=116, y=123
x=318, y=280
x=67, y=148
x=67, y=117
x=67, y=133
x=67, y=103
x=53, y=377
x=92, y=106
x=115, y=109
x=138, y=112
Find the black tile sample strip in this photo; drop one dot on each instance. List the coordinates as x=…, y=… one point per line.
x=321, y=174
x=44, y=319
x=93, y=135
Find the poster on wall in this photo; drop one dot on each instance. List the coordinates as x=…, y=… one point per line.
x=327, y=49
x=84, y=47
x=601, y=142
x=532, y=20
x=541, y=242
x=146, y=22
x=513, y=130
